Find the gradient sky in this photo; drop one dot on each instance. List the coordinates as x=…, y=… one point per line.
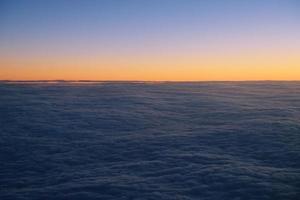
x=150, y=39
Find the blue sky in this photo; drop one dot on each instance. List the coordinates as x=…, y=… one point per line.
x=140, y=28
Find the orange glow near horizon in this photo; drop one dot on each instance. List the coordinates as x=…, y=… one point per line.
x=154, y=74
x=159, y=69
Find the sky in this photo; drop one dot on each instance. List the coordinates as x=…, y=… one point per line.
x=150, y=40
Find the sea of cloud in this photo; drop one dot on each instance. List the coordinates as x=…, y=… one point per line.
x=122, y=140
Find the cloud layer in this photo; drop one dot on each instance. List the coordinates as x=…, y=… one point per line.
x=233, y=140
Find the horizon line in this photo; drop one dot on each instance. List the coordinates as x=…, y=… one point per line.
x=136, y=81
